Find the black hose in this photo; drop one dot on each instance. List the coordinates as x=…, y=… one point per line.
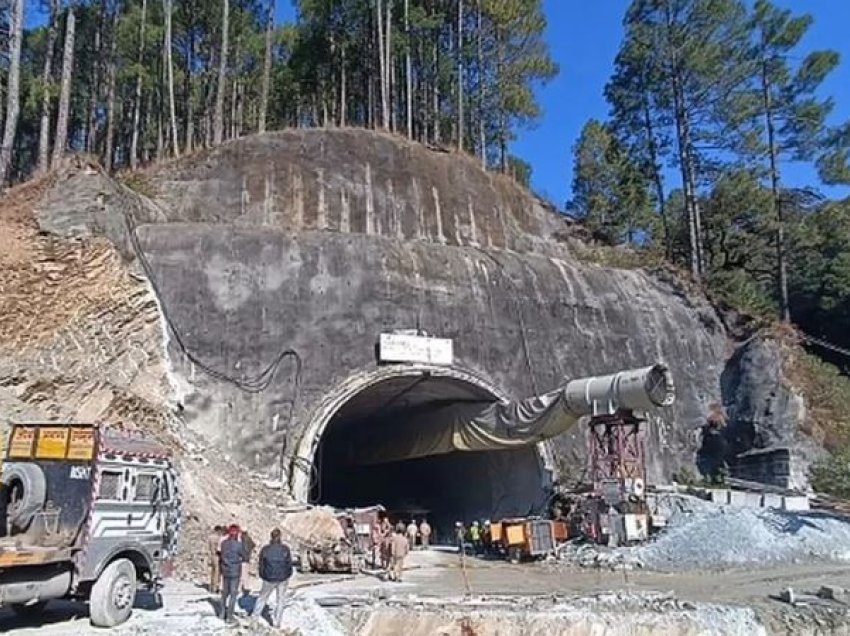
x=256, y=384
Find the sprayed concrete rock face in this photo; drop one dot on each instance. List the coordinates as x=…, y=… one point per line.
x=305, y=246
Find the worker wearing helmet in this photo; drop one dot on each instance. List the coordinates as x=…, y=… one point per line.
x=460, y=537
x=475, y=537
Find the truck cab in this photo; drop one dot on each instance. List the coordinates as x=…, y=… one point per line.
x=91, y=513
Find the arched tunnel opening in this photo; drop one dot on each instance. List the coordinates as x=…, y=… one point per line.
x=444, y=487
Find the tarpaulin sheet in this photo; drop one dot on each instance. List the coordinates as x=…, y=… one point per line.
x=482, y=426
x=476, y=426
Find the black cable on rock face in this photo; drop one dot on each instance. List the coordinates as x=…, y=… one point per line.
x=256, y=384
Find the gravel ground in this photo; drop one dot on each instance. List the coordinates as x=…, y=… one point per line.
x=186, y=610
x=708, y=536
x=505, y=600
x=705, y=536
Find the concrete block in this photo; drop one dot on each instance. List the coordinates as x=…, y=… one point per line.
x=745, y=499
x=772, y=501
x=718, y=495
x=796, y=502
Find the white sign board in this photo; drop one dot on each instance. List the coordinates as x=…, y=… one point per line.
x=394, y=347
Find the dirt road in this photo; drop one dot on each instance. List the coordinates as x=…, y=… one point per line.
x=441, y=575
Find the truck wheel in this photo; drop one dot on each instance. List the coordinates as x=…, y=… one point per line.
x=26, y=490
x=515, y=554
x=31, y=610
x=113, y=594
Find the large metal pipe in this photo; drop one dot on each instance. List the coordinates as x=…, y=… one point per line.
x=633, y=390
x=503, y=425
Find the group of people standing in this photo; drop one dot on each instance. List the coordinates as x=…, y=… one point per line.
x=391, y=544
x=230, y=552
x=478, y=537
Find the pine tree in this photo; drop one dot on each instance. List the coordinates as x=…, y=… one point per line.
x=16, y=24
x=137, y=99
x=609, y=189
x=169, y=64
x=689, y=54
x=111, y=80
x=267, y=69
x=792, y=116
x=150, y=77
x=639, y=121
x=218, y=117
x=520, y=58
x=46, y=79
x=61, y=140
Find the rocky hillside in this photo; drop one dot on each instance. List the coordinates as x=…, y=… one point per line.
x=315, y=242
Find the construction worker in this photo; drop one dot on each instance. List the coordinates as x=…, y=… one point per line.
x=230, y=564
x=399, y=549
x=460, y=537
x=248, y=546
x=475, y=537
x=213, y=551
x=376, y=537
x=714, y=448
x=275, y=571
x=487, y=538
x=424, y=534
x=386, y=539
x=412, y=532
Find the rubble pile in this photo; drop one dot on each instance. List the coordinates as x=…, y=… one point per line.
x=310, y=526
x=704, y=536
x=723, y=536
x=588, y=555
x=215, y=490
x=303, y=616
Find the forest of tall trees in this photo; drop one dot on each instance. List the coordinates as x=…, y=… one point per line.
x=132, y=81
x=710, y=101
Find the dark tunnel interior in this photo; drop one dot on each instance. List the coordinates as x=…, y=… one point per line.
x=459, y=486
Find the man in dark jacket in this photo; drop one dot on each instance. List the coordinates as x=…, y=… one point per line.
x=230, y=566
x=275, y=571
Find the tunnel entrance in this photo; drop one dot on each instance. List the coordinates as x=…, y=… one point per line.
x=457, y=486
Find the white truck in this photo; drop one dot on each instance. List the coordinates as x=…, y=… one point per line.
x=86, y=513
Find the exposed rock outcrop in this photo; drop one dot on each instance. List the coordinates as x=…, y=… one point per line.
x=318, y=241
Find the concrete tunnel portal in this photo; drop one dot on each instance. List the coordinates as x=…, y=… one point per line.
x=457, y=486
